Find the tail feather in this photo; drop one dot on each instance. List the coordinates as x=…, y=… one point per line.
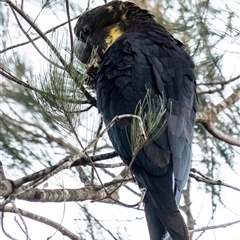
x=155, y=227
x=161, y=210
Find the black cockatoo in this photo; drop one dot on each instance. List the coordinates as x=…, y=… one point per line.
x=135, y=55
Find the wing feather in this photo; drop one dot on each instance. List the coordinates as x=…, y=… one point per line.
x=152, y=59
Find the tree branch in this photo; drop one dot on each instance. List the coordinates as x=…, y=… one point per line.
x=221, y=136
x=205, y=179
x=210, y=114
x=68, y=195
x=70, y=32
x=9, y=76
x=36, y=38
x=20, y=216
x=227, y=103
x=214, y=227
x=7, y=186
x=68, y=67
x=35, y=46
x=2, y=174
x=219, y=83
x=44, y=220
x=208, y=117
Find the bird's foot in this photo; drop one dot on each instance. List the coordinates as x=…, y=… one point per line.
x=143, y=191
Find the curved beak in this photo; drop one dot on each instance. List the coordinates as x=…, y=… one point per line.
x=82, y=51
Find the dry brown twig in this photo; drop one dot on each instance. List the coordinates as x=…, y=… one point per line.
x=67, y=66
x=203, y=178
x=43, y=220
x=213, y=227
x=208, y=117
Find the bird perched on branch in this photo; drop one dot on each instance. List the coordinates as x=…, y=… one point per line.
x=129, y=55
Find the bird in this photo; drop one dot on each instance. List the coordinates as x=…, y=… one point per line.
x=128, y=55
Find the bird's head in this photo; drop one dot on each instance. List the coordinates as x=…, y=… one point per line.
x=99, y=28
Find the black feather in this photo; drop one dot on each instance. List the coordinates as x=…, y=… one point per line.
x=146, y=59
x=161, y=167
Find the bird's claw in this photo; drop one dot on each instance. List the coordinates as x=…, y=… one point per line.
x=143, y=191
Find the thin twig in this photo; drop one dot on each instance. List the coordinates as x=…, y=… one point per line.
x=36, y=38
x=211, y=91
x=205, y=179
x=88, y=5
x=220, y=83
x=22, y=4
x=68, y=67
x=3, y=228
x=110, y=125
x=44, y=220
x=97, y=133
x=34, y=26
x=208, y=117
x=114, y=120
x=221, y=136
x=16, y=80
x=35, y=46
x=210, y=114
x=2, y=174
x=214, y=227
x=23, y=221
x=65, y=165
x=70, y=31
x=83, y=160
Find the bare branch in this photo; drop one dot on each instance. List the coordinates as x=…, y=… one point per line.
x=68, y=67
x=187, y=207
x=20, y=216
x=102, y=157
x=41, y=34
x=227, y=103
x=114, y=120
x=211, y=91
x=111, y=195
x=63, y=166
x=67, y=195
x=210, y=115
x=2, y=174
x=221, y=136
x=36, y=38
x=205, y=179
x=7, y=186
x=35, y=46
x=9, y=76
x=214, y=227
x=219, y=83
x=70, y=31
x=83, y=176
x=109, y=165
x=3, y=228
x=44, y=220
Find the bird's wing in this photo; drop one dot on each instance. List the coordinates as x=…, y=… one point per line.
x=152, y=59
x=156, y=62
x=174, y=71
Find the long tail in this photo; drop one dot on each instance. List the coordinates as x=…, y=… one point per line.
x=161, y=210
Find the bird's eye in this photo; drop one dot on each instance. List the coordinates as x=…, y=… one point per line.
x=86, y=30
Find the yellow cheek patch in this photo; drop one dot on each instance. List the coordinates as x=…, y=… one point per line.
x=124, y=17
x=113, y=35
x=110, y=8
